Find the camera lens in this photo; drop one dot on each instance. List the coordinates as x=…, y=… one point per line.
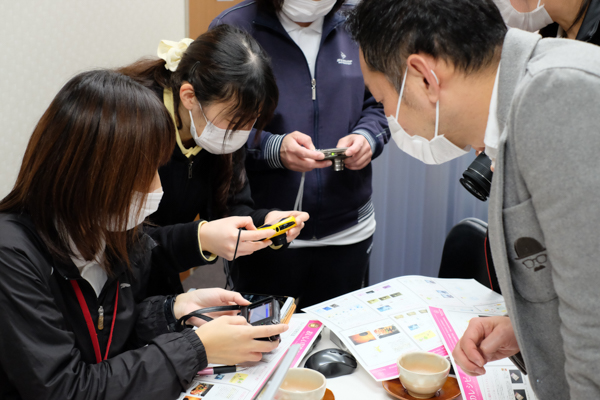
x=477, y=179
x=338, y=164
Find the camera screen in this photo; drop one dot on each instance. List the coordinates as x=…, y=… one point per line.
x=259, y=313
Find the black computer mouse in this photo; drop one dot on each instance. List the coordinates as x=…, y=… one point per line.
x=332, y=362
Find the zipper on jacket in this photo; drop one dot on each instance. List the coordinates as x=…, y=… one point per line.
x=314, y=89
x=101, y=318
x=190, y=169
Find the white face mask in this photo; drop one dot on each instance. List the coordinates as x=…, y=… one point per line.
x=213, y=137
x=435, y=151
x=139, y=212
x=528, y=21
x=306, y=10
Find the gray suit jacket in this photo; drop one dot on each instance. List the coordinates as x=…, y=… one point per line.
x=544, y=211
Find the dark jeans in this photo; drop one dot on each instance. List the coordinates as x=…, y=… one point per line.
x=311, y=275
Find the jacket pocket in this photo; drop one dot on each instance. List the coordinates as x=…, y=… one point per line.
x=529, y=264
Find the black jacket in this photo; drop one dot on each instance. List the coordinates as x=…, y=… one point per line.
x=45, y=347
x=589, y=30
x=188, y=186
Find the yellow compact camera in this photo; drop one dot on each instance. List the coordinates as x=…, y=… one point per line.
x=280, y=227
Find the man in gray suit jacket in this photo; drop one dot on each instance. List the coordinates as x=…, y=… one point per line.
x=533, y=104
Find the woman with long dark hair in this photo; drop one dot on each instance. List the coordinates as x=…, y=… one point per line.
x=216, y=88
x=74, y=266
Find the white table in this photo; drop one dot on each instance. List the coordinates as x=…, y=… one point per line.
x=358, y=385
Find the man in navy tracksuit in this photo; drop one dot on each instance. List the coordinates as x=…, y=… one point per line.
x=322, y=104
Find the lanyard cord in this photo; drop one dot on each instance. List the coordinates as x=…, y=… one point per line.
x=487, y=265
x=90, y=323
x=300, y=195
x=229, y=268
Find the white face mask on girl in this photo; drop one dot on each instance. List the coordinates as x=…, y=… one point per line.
x=138, y=212
x=528, y=21
x=435, y=151
x=306, y=10
x=213, y=137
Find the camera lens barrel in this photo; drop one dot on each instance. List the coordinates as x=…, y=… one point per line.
x=338, y=163
x=477, y=179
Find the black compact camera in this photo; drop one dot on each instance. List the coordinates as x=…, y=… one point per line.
x=337, y=156
x=263, y=312
x=477, y=179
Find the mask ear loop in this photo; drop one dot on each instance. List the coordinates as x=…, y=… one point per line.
x=401, y=92
x=437, y=108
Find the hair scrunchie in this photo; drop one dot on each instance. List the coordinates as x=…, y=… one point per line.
x=172, y=52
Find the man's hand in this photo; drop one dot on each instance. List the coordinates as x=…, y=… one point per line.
x=486, y=339
x=359, y=151
x=298, y=153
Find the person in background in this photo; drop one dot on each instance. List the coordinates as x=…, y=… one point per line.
x=573, y=19
x=216, y=88
x=74, y=264
x=322, y=104
x=531, y=103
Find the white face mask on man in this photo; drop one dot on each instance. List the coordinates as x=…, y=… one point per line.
x=306, y=10
x=213, y=140
x=435, y=151
x=528, y=21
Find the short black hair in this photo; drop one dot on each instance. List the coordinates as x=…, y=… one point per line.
x=276, y=5
x=467, y=33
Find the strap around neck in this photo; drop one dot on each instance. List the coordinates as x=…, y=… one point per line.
x=169, y=103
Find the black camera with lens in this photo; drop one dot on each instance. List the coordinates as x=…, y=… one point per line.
x=337, y=156
x=477, y=179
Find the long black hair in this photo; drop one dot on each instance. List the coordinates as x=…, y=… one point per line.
x=223, y=65
x=97, y=146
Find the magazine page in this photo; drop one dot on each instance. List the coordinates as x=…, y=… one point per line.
x=247, y=382
x=502, y=381
x=379, y=323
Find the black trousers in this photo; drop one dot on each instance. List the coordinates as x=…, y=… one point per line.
x=311, y=275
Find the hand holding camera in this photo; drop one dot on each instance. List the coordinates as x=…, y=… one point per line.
x=358, y=152
x=185, y=303
x=300, y=216
x=220, y=237
x=298, y=153
x=230, y=339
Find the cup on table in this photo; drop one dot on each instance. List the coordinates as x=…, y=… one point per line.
x=302, y=384
x=423, y=373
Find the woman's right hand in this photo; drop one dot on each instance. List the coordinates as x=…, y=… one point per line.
x=231, y=340
x=220, y=237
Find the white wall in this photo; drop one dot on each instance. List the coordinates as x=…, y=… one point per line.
x=44, y=43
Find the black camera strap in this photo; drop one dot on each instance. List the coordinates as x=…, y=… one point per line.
x=229, y=267
x=180, y=324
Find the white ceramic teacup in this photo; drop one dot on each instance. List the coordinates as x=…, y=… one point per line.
x=423, y=373
x=302, y=384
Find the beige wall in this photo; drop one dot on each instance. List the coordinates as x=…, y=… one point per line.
x=44, y=43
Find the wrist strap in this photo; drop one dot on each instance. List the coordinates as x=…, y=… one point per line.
x=169, y=311
x=180, y=325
